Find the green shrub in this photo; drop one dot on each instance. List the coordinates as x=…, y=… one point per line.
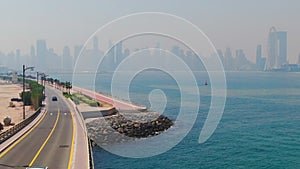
x=33, y=97
x=93, y=104
x=76, y=97
x=67, y=95
x=27, y=98
x=75, y=100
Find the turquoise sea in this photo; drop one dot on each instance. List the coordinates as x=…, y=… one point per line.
x=260, y=127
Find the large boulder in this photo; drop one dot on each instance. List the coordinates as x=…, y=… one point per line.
x=7, y=121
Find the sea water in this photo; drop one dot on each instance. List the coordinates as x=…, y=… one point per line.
x=260, y=127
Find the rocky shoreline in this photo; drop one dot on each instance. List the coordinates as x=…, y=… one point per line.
x=123, y=127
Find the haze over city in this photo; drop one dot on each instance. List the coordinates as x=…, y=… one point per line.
x=149, y=84
x=235, y=24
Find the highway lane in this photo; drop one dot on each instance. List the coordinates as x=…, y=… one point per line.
x=49, y=144
x=56, y=153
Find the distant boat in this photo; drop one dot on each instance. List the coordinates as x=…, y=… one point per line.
x=205, y=83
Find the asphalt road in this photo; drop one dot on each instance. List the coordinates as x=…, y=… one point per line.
x=49, y=144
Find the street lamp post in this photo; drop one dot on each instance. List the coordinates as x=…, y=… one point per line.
x=37, y=77
x=23, y=95
x=44, y=79
x=43, y=83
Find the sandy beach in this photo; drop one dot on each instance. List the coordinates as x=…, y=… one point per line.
x=8, y=91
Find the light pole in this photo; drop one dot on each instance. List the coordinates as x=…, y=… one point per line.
x=44, y=75
x=43, y=83
x=23, y=95
x=37, y=76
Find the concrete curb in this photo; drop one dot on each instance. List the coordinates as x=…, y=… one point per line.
x=79, y=123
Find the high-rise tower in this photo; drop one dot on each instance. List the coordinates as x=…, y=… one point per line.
x=119, y=52
x=41, y=54
x=277, y=50
x=258, y=54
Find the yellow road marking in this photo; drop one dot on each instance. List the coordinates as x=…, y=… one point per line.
x=41, y=148
x=23, y=137
x=73, y=140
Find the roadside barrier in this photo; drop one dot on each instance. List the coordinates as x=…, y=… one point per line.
x=16, y=128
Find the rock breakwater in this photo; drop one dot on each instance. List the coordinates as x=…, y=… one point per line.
x=124, y=127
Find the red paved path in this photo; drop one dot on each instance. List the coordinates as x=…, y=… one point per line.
x=116, y=103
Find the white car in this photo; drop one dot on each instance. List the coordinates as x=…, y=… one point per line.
x=37, y=168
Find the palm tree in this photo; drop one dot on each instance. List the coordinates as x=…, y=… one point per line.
x=51, y=80
x=63, y=85
x=68, y=86
x=56, y=81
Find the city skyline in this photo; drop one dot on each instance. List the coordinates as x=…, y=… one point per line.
x=46, y=59
x=234, y=24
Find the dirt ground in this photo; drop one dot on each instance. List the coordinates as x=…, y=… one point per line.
x=15, y=112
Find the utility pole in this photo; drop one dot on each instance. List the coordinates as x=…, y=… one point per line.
x=23, y=95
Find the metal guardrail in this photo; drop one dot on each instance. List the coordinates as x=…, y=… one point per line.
x=91, y=159
x=12, y=131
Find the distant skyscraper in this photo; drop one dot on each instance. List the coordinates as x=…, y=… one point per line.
x=11, y=60
x=241, y=61
x=66, y=51
x=282, y=38
x=18, y=59
x=67, y=60
x=51, y=50
x=119, y=54
x=67, y=64
x=111, y=56
x=260, y=61
x=220, y=54
x=189, y=59
x=258, y=54
x=126, y=52
x=240, y=54
x=77, y=50
x=176, y=50
x=277, y=50
x=41, y=53
x=55, y=61
x=228, y=60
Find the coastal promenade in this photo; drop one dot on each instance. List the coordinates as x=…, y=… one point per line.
x=118, y=104
x=56, y=140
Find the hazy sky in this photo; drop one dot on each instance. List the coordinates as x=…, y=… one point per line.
x=239, y=24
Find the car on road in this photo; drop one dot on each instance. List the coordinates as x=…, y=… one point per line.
x=54, y=98
x=16, y=99
x=37, y=168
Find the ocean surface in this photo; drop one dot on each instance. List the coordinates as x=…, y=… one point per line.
x=260, y=127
